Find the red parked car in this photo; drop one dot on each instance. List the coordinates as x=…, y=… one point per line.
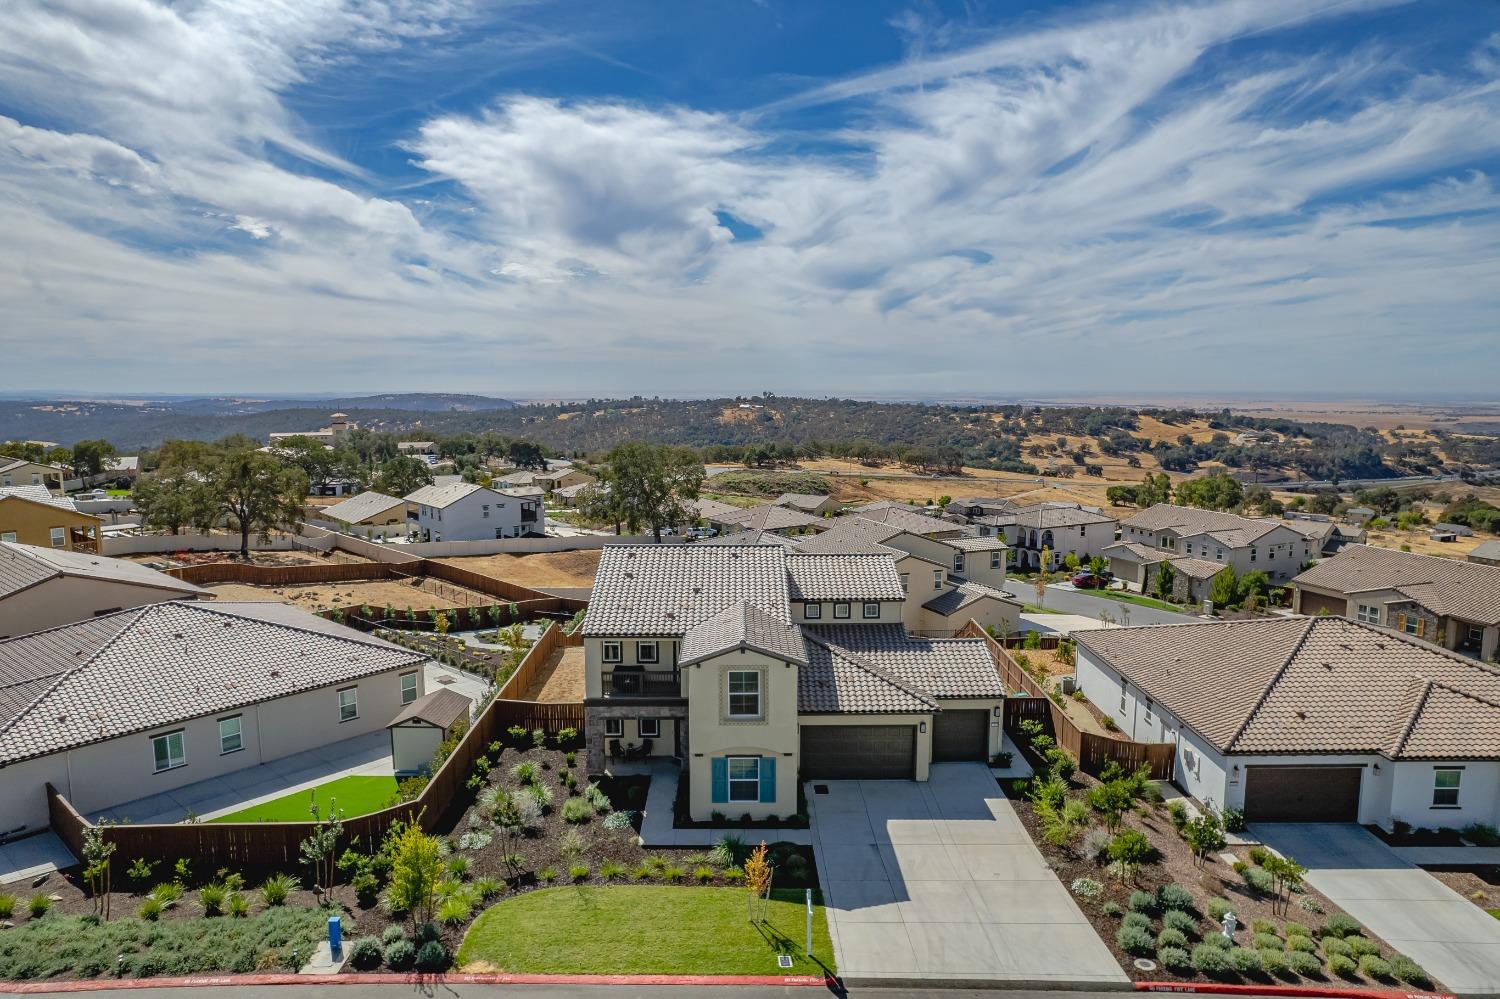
x=1086, y=580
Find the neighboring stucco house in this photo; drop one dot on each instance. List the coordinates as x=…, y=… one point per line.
x=42, y=588
x=1140, y=567
x=1244, y=543
x=33, y=516
x=142, y=701
x=770, y=517
x=1440, y=600
x=20, y=472
x=463, y=511
x=370, y=515
x=1307, y=719
x=1061, y=528
x=752, y=665
x=809, y=503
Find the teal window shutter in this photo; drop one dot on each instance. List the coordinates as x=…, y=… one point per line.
x=720, y=784
x=767, y=779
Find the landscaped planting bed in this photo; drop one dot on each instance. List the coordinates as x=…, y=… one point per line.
x=644, y=930
x=1137, y=879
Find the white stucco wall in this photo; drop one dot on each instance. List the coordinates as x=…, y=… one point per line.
x=467, y=519
x=66, y=599
x=713, y=734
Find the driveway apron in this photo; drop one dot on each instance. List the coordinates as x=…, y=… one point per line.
x=938, y=882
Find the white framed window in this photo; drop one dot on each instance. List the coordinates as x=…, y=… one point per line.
x=8, y=536
x=812, y=611
x=1413, y=625
x=937, y=579
x=841, y=612
x=230, y=735
x=614, y=652
x=958, y=561
x=870, y=610
x=744, y=778
x=1219, y=554
x=994, y=560
x=167, y=751
x=648, y=728
x=1124, y=685
x=1367, y=613
x=1445, y=786
x=1188, y=548
x=59, y=537
x=647, y=652
x=408, y=687
x=614, y=728
x=906, y=582
x=348, y=704
x=1149, y=705
x=744, y=693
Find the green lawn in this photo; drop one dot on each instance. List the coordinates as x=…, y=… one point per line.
x=354, y=796
x=1135, y=598
x=1494, y=912
x=643, y=930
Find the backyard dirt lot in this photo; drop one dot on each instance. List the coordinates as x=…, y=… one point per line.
x=545, y=569
x=256, y=558
x=423, y=594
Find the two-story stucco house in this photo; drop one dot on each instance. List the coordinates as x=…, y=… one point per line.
x=1307, y=719
x=1061, y=528
x=751, y=665
x=31, y=515
x=1246, y=544
x=1452, y=604
x=464, y=511
x=144, y=701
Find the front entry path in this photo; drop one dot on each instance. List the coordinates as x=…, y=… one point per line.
x=939, y=882
x=1414, y=912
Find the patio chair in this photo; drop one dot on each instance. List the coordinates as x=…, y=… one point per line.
x=616, y=752
x=645, y=748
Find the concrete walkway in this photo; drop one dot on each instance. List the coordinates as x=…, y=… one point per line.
x=938, y=883
x=1449, y=856
x=1454, y=939
x=368, y=754
x=30, y=858
x=656, y=821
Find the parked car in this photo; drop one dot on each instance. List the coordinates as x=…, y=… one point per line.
x=1087, y=580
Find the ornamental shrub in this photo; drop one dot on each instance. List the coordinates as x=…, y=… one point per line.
x=1110, y=908
x=392, y=934
x=1087, y=888
x=1360, y=946
x=1244, y=960
x=1142, y=901
x=1274, y=962
x=400, y=955
x=1303, y=963
x=1268, y=941
x=1174, y=959
x=1263, y=926
x=1134, y=940
x=1171, y=938
x=1342, y=966
x=1410, y=971
x=1207, y=959
x=1175, y=896
x=1372, y=966
x=1340, y=925
x=1296, y=930
x=1139, y=920
x=1335, y=945
x=365, y=953
x=1216, y=909
x=577, y=810
x=1304, y=944
x=432, y=956
x=1257, y=878
x=1177, y=919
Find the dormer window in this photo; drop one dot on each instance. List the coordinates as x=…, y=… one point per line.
x=812, y=611
x=871, y=610
x=841, y=612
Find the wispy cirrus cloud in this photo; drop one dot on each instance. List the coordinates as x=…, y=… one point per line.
x=1146, y=191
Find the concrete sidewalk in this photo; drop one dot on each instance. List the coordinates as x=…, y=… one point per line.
x=939, y=883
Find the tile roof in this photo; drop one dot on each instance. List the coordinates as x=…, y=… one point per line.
x=7, y=463
x=802, y=501
x=666, y=590
x=1198, y=568
x=1232, y=530
x=975, y=544
x=441, y=708
x=714, y=510
x=845, y=576
x=165, y=663
x=1470, y=590
x=1311, y=685
x=939, y=667
x=22, y=566
x=851, y=534
x=836, y=681
x=1486, y=549
x=743, y=625
x=443, y=496
x=950, y=602
x=1047, y=516
x=1134, y=549
x=39, y=494
x=770, y=517
x=357, y=508
x=753, y=537
x=909, y=520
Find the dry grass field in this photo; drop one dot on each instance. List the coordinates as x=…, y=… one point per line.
x=546, y=569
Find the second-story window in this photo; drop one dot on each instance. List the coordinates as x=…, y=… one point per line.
x=812, y=611
x=905, y=582
x=646, y=652
x=613, y=652
x=744, y=693
x=958, y=561
x=937, y=579
x=841, y=611
x=994, y=560
x=871, y=610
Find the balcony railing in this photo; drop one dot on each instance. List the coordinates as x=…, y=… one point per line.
x=642, y=683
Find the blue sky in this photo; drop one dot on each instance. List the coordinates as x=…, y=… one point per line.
x=1247, y=198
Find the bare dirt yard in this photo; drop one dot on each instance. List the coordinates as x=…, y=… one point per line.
x=560, y=680
x=545, y=569
x=256, y=558
x=420, y=594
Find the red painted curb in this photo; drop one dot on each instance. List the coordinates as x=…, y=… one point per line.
x=377, y=978
x=1312, y=992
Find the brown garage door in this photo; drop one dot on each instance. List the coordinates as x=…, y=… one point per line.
x=961, y=735
x=1302, y=794
x=849, y=752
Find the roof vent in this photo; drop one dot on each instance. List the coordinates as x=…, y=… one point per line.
x=275, y=672
x=1302, y=715
x=176, y=634
x=1328, y=667
x=62, y=719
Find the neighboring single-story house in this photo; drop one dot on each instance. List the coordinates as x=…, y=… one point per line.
x=33, y=516
x=809, y=503
x=771, y=517
x=42, y=588
x=1445, y=601
x=1307, y=719
x=20, y=472
x=146, y=700
x=417, y=447
x=1486, y=553
x=1360, y=515
x=370, y=514
x=1140, y=567
x=424, y=725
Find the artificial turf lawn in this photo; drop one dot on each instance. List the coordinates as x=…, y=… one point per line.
x=646, y=930
x=353, y=796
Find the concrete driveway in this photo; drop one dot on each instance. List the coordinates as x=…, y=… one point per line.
x=1417, y=914
x=938, y=882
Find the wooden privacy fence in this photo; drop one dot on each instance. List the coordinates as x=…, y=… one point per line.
x=276, y=844
x=1092, y=750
